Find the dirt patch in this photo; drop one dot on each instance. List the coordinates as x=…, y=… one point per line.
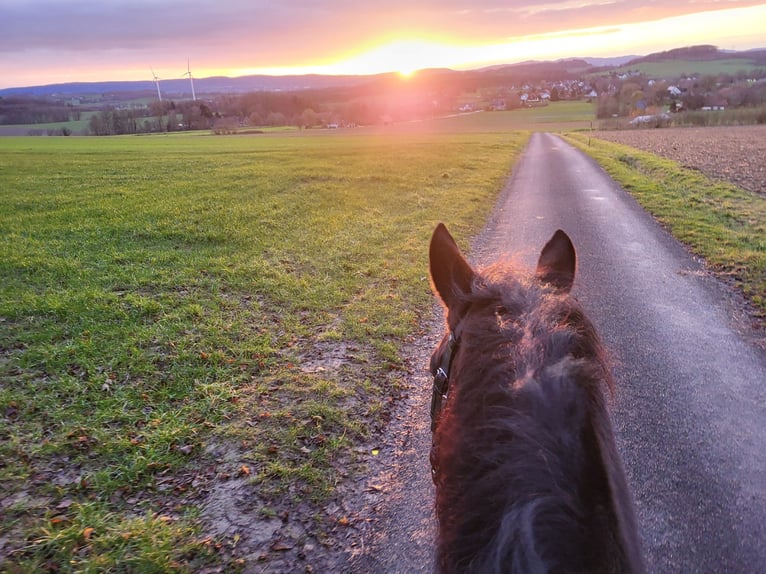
x=732, y=154
x=327, y=356
x=368, y=525
x=230, y=509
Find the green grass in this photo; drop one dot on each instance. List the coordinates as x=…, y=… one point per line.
x=162, y=296
x=558, y=112
x=76, y=127
x=557, y=116
x=730, y=117
x=677, y=68
x=720, y=222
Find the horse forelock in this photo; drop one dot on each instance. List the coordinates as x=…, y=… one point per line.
x=527, y=382
x=528, y=325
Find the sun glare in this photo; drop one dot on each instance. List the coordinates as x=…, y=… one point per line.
x=408, y=55
x=402, y=56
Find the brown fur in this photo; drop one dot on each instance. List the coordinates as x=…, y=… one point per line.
x=527, y=475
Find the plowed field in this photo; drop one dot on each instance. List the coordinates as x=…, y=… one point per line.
x=734, y=154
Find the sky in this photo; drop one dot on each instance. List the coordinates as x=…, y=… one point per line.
x=53, y=41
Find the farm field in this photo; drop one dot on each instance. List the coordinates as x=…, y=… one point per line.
x=557, y=116
x=76, y=127
x=733, y=154
x=676, y=68
x=195, y=327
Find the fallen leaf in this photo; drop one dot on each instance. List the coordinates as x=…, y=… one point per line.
x=343, y=521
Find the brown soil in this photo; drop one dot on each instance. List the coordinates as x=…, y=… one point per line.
x=733, y=154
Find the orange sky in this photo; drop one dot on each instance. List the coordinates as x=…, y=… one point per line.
x=51, y=41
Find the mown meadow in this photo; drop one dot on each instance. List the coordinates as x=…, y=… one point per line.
x=164, y=299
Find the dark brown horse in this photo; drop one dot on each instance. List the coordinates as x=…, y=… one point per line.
x=527, y=475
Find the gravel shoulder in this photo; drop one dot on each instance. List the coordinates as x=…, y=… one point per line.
x=732, y=154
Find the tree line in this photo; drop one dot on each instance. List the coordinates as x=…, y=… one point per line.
x=22, y=110
x=304, y=110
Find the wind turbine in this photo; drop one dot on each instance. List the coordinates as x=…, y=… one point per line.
x=191, y=79
x=157, y=82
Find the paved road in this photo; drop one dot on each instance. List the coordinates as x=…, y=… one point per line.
x=690, y=410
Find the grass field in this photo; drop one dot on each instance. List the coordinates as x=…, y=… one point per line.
x=167, y=299
x=558, y=116
x=75, y=127
x=555, y=117
x=676, y=68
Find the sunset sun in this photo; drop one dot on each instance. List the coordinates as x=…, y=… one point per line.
x=404, y=56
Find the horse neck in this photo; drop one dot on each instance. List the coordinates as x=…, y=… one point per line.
x=523, y=472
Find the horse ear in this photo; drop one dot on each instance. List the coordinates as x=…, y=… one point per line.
x=557, y=262
x=450, y=272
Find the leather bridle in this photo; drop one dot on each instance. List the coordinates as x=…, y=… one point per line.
x=441, y=379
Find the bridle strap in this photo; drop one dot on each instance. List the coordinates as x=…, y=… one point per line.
x=441, y=380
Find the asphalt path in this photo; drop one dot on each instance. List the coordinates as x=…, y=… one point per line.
x=690, y=407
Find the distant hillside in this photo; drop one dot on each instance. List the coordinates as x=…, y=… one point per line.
x=697, y=60
x=610, y=62
x=571, y=68
x=702, y=53
x=182, y=87
x=703, y=59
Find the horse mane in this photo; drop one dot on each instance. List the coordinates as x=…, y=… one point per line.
x=527, y=471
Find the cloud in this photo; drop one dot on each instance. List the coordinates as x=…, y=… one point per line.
x=319, y=25
x=122, y=37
